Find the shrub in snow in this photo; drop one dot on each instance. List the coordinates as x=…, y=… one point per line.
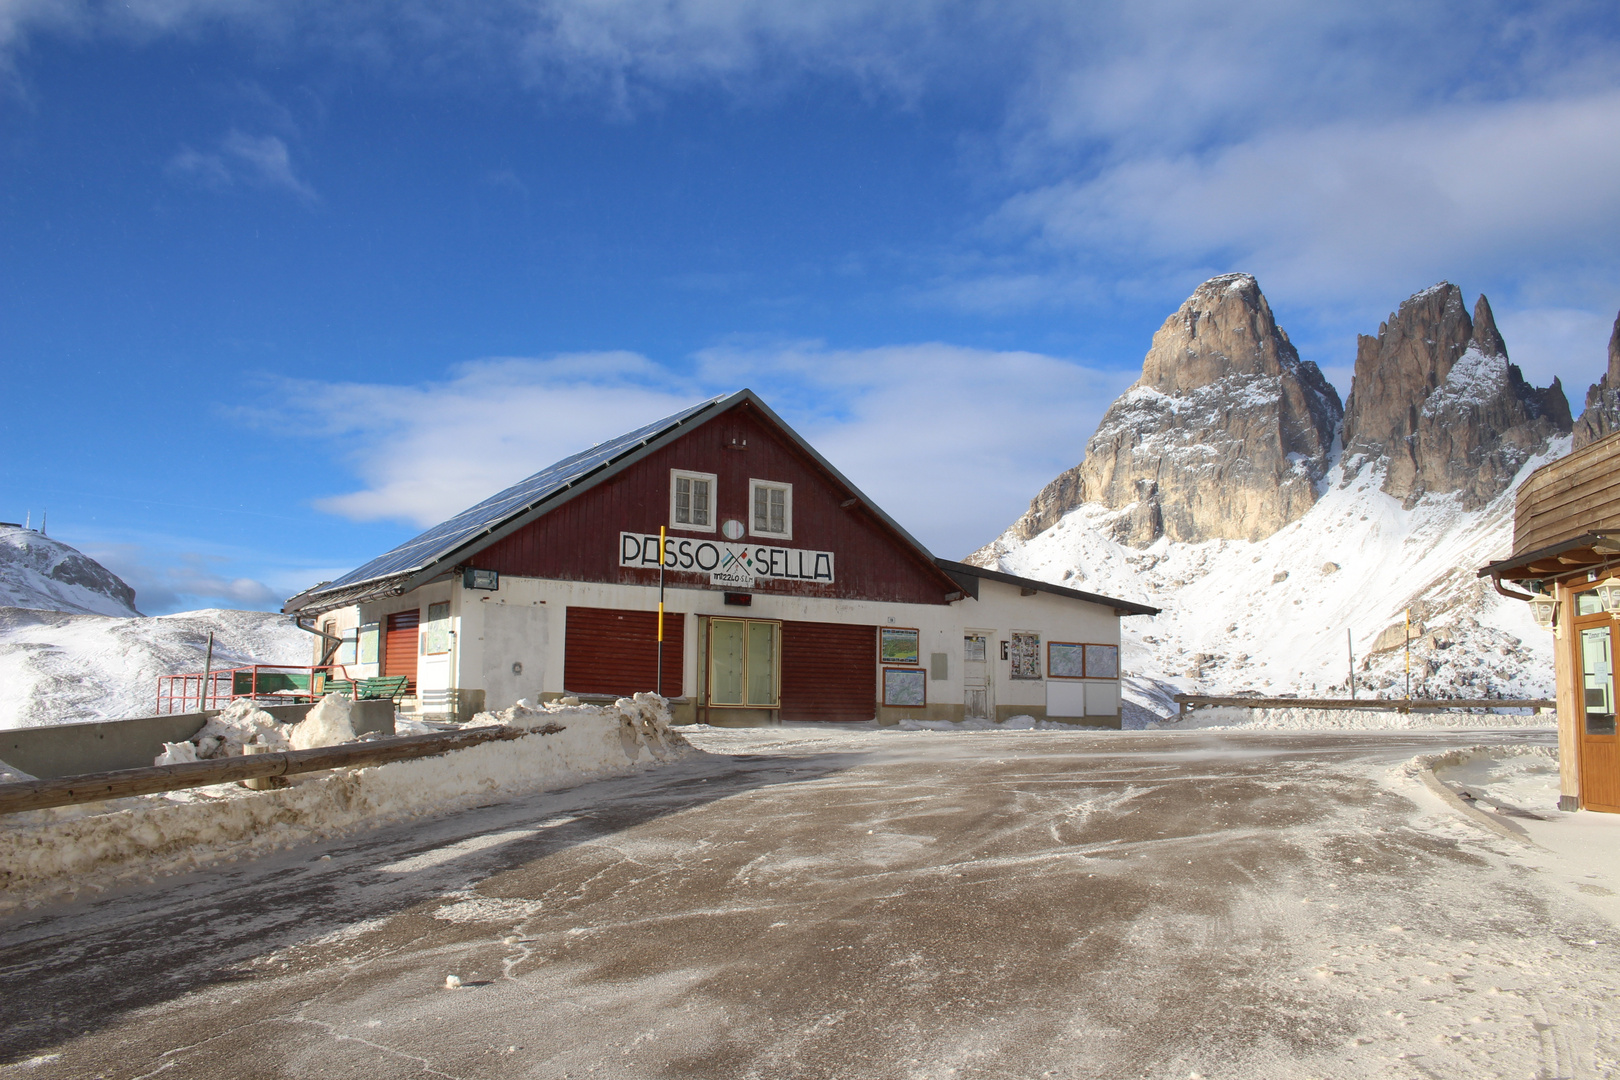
x=327, y=724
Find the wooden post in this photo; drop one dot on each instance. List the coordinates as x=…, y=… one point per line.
x=1350, y=644
x=208, y=665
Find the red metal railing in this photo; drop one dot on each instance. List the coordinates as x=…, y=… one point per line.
x=288, y=684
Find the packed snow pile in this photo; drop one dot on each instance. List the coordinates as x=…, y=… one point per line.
x=63, y=668
x=327, y=724
x=240, y=724
x=40, y=573
x=49, y=853
x=1279, y=615
x=243, y=727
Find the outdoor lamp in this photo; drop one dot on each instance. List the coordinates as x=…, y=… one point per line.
x=1545, y=607
x=1608, y=594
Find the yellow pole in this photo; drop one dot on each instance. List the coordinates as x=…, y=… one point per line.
x=1408, y=653
x=659, y=689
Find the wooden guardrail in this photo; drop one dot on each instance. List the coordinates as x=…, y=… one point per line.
x=95, y=787
x=1188, y=702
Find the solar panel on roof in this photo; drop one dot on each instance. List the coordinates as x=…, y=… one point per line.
x=448, y=535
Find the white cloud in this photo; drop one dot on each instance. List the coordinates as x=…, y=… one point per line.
x=1355, y=206
x=258, y=160
x=167, y=580
x=953, y=442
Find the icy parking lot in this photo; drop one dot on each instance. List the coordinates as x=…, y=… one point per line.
x=811, y=902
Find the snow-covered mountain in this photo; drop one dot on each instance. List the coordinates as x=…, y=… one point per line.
x=44, y=574
x=1446, y=429
x=73, y=647
x=59, y=667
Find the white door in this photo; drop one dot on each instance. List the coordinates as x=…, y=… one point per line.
x=978, y=687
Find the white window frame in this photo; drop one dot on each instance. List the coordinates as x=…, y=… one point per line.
x=714, y=511
x=787, y=509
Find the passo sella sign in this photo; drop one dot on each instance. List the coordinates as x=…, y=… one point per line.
x=726, y=564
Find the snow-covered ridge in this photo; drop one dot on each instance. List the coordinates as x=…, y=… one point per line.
x=1272, y=616
x=44, y=574
x=60, y=668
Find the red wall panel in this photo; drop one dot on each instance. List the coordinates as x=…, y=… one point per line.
x=829, y=671
x=579, y=541
x=607, y=651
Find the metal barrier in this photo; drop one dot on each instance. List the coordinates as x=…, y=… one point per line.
x=287, y=684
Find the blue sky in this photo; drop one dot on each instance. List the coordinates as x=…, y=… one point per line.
x=283, y=282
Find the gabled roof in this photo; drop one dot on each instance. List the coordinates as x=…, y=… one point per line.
x=440, y=548
x=437, y=550
x=966, y=575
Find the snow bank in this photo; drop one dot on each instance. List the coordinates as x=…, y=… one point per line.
x=327, y=724
x=47, y=853
x=242, y=723
x=1346, y=719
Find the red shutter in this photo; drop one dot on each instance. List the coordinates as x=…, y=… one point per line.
x=607, y=651
x=829, y=671
x=399, y=646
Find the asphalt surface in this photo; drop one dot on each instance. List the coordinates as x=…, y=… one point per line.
x=864, y=904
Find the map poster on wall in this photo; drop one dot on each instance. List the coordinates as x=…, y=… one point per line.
x=1065, y=660
x=898, y=645
x=1026, y=656
x=369, y=633
x=905, y=687
x=1102, y=661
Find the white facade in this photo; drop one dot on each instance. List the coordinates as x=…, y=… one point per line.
x=508, y=644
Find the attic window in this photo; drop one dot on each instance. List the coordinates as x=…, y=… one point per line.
x=691, y=500
x=772, y=509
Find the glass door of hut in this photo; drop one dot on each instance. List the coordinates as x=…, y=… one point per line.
x=1594, y=644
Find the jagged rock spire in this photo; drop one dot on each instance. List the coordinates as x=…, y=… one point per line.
x=1435, y=395
x=1602, y=413
x=1226, y=434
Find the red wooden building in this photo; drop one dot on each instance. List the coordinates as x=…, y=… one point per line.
x=789, y=595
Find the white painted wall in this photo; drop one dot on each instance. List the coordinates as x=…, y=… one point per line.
x=523, y=622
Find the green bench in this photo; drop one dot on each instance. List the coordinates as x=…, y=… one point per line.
x=244, y=684
x=387, y=686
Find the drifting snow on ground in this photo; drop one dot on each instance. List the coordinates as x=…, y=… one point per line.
x=60, y=668
x=46, y=853
x=1516, y=780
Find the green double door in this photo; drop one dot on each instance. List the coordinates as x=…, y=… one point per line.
x=745, y=663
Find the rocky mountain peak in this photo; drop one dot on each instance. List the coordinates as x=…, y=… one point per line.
x=1602, y=413
x=1225, y=328
x=44, y=574
x=1226, y=434
x=1435, y=394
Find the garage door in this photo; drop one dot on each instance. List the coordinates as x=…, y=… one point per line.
x=609, y=651
x=400, y=645
x=829, y=671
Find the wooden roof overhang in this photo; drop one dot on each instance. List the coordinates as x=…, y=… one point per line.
x=1577, y=555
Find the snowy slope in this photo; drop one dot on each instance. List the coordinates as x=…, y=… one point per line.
x=1271, y=616
x=45, y=574
x=59, y=667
